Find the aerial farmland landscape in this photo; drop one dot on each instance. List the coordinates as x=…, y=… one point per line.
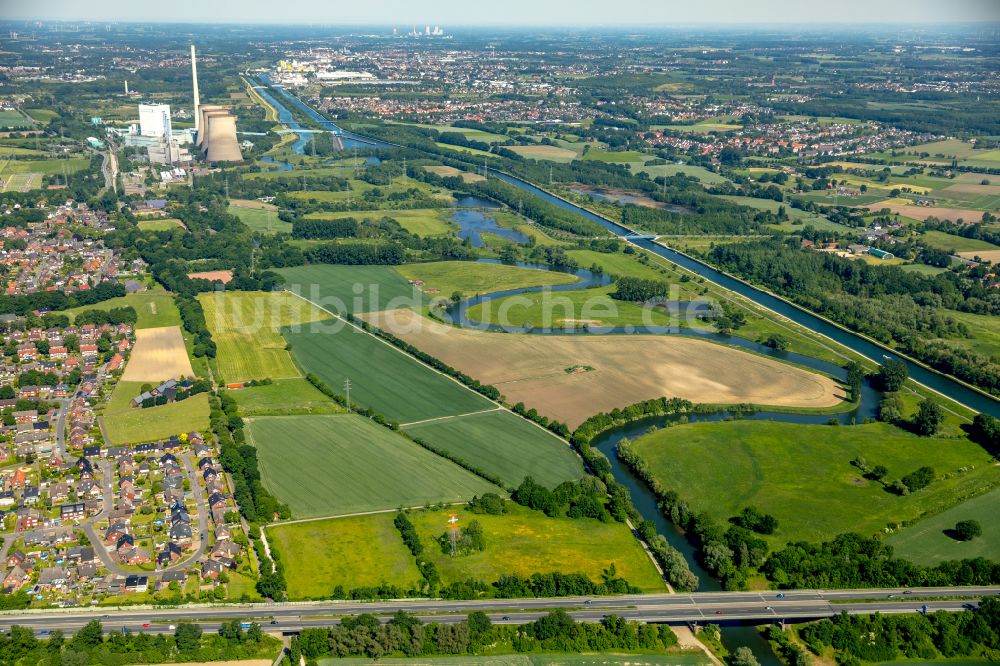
x=547, y=334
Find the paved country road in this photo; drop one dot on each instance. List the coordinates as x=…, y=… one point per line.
x=670, y=608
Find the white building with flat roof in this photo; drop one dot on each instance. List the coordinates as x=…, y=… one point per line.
x=154, y=120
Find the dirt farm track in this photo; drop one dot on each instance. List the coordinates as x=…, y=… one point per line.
x=159, y=354
x=625, y=369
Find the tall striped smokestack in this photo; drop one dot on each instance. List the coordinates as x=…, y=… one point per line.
x=194, y=79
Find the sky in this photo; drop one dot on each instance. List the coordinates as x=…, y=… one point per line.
x=511, y=12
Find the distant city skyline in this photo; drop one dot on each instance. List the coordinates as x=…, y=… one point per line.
x=403, y=13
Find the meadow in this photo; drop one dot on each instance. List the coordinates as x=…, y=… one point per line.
x=125, y=424
x=284, y=397
x=699, y=172
x=420, y=221
x=13, y=118
x=616, y=264
x=382, y=377
x=160, y=224
x=951, y=242
x=350, y=288
x=245, y=325
x=801, y=217
x=48, y=167
x=928, y=542
x=569, y=309
x=505, y=445
x=341, y=464
x=615, y=156
x=155, y=308
x=259, y=217
x=802, y=474
x=544, y=152
x=470, y=278
x=357, y=551
x=624, y=369
x=524, y=542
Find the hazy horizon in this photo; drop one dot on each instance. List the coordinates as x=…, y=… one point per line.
x=518, y=13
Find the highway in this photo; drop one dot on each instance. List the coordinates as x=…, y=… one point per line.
x=668, y=608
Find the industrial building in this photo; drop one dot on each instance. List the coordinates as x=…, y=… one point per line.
x=154, y=120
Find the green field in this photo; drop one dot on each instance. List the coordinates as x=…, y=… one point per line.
x=949, y=242
x=523, y=541
x=155, y=308
x=704, y=127
x=261, y=220
x=245, y=327
x=12, y=118
x=284, y=397
x=701, y=173
x=927, y=543
x=331, y=465
x=802, y=474
x=127, y=425
x=156, y=224
x=565, y=309
x=471, y=277
x=819, y=222
x=382, y=377
x=47, y=167
x=420, y=221
x=611, y=156
x=617, y=264
x=353, y=552
x=42, y=115
x=504, y=445
x=352, y=288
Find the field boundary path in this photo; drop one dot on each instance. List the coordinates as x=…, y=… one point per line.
x=498, y=408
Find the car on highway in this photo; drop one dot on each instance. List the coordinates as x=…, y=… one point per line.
x=768, y=608
x=171, y=627
x=145, y=625
x=505, y=618
x=718, y=612
x=907, y=591
x=780, y=595
x=587, y=602
x=274, y=622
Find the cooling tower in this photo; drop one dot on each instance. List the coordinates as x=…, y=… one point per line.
x=203, y=111
x=205, y=117
x=221, y=137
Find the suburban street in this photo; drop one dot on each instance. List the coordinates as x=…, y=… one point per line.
x=668, y=608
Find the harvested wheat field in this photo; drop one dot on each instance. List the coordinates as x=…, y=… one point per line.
x=545, y=153
x=924, y=212
x=225, y=277
x=159, y=354
x=621, y=369
x=992, y=256
x=451, y=172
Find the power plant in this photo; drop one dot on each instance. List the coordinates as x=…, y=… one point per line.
x=215, y=126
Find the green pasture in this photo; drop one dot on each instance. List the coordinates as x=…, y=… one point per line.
x=352, y=288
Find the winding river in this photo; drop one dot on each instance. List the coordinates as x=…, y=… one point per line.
x=733, y=635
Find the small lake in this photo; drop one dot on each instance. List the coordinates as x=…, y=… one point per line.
x=473, y=220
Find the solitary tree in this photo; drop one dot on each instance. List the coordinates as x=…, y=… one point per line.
x=929, y=417
x=966, y=530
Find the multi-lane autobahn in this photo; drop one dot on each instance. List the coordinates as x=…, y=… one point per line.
x=670, y=608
